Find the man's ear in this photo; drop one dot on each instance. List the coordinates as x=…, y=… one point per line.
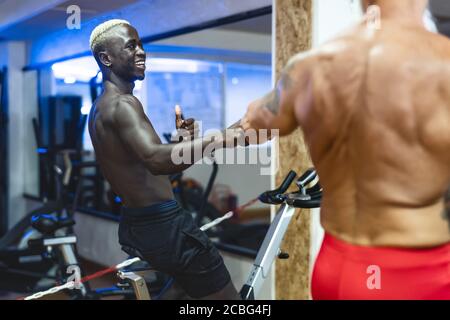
x=104, y=58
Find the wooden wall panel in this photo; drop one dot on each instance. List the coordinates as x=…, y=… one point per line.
x=293, y=34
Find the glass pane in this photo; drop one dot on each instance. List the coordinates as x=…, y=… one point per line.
x=244, y=83
x=197, y=86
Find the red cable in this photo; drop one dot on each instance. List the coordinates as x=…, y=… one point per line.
x=240, y=208
x=98, y=274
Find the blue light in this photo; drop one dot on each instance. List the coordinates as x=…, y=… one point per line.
x=39, y=216
x=42, y=150
x=102, y=290
x=27, y=234
x=80, y=69
x=117, y=199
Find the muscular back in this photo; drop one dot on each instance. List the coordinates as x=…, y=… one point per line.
x=128, y=176
x=379, y=135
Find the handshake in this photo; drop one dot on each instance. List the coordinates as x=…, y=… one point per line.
x=233, y=136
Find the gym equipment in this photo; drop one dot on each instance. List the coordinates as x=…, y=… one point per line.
x=36, y=253
x=134, y=279
x=270, y=249
x=305, y=197
x=60, y=127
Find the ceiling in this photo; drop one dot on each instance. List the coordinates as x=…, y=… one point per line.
x=54, y=18
x=261, y=25
x=440, y=10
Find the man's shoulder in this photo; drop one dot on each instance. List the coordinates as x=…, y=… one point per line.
x=331, y=48
x=124, y=104
x=114, y=100
x=351, y=40
x=125, y=101
x=304, y=64
x=124, y=108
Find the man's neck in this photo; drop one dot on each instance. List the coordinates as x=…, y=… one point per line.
x=403, y=11
x=114, y=83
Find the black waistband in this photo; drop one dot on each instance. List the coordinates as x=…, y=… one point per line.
x=157, y=209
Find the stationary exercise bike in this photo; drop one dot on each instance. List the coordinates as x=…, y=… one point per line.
x=35, y=254
x=308, y=195
x=305, y=197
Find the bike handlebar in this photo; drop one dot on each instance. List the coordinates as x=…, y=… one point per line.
x=306, y=178
x=303, y=198
x=276, y=196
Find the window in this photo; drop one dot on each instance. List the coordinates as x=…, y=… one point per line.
x=215, y=93
x=197, y=86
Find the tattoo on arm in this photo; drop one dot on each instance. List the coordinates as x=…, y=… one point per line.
x=272, y=100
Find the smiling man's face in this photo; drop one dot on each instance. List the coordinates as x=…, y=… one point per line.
x=126, y=53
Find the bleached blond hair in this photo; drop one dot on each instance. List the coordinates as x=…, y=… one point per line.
x=100, y=33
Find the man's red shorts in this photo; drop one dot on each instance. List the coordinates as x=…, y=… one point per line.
x=346, y=271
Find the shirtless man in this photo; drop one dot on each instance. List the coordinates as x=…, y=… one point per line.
x=374, y=105
x=137, y=165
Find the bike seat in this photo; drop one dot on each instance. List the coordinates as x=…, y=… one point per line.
x=48, y=224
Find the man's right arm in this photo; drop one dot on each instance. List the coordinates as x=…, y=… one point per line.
x=137, y=134
x=292, y=94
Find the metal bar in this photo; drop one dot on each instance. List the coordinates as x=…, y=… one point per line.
x=269, y=250
x=138, y=283
x=60, y=241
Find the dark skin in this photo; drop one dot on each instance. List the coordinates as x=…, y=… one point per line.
x=128, y=149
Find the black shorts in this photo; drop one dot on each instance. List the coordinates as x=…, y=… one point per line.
x=167, y=238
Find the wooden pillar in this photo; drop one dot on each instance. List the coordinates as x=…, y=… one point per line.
x=293, y=34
